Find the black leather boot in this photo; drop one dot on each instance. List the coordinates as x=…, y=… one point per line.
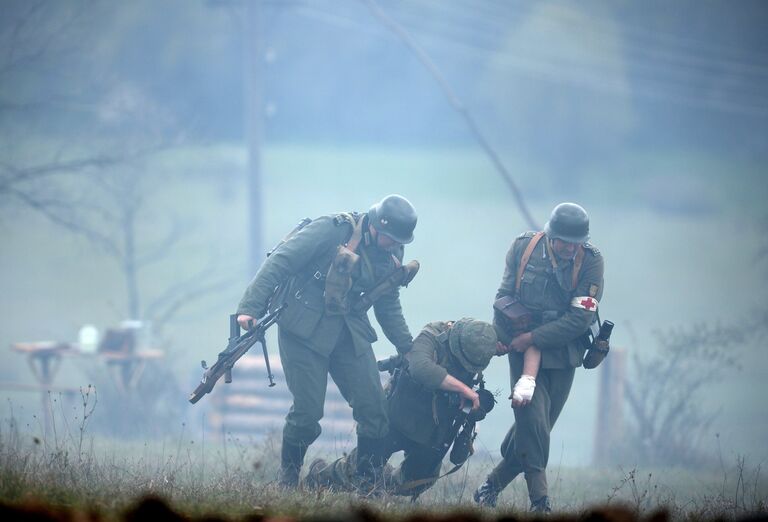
x=371, y=457
x=291, y=459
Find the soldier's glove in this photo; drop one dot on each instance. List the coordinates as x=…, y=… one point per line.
x=522, y=393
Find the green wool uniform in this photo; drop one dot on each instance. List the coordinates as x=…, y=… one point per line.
x=314, y=342
x=421, y=420
x=547, y=289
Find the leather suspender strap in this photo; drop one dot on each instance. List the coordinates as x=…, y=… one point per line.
x=526, y=256
x=577, y=266
x=357, y=235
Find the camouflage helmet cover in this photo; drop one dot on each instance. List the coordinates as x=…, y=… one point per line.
x=569, y=222
x=473, y=343
x=395, y=217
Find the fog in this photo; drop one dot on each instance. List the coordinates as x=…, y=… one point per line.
x=137, y=127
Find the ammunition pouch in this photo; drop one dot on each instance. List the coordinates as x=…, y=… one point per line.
x=338, y=281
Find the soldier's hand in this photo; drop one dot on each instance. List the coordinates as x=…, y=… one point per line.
x=522, y=393
x=522, y=342
x=470, y=396
x=246, y=321
x=501, y=348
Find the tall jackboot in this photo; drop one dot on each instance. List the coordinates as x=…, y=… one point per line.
x=371, y=457
x=291, y=460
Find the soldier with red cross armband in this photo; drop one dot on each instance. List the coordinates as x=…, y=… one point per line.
x=547, y=301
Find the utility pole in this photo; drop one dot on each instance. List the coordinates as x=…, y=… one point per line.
x=254, y=127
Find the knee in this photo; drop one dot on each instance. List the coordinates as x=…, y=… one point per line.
x=301, y=435
x=373, y=427
x=371, y=417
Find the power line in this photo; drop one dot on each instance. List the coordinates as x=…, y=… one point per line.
x=458, y=106
x=554, y=73
x=654, y=62
x=738, y=57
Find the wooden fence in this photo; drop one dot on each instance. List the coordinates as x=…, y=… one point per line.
x=248, y=409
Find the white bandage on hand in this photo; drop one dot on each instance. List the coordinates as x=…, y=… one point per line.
x=523, y=390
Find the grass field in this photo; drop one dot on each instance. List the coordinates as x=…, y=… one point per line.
x=235, y=479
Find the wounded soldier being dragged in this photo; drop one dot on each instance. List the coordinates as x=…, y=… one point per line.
x=432, y=407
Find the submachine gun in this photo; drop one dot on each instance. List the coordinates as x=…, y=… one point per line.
x=237, y=347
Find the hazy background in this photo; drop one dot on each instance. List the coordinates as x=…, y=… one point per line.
x=128, y=120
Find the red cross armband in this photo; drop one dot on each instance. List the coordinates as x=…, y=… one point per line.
x=586, y=303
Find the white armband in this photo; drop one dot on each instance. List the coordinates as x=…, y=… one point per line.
x=587, y=303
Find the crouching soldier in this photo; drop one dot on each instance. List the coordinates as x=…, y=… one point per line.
x=431, y=405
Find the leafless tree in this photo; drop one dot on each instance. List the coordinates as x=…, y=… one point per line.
x=669, y=415
x=97, y=189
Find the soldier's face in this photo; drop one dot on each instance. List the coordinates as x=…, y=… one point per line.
x=563, y=249
x=383, y=242
x=386, y=243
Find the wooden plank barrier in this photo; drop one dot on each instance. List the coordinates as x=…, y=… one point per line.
x=248, y=409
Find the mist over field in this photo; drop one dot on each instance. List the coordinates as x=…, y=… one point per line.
x=136, y=127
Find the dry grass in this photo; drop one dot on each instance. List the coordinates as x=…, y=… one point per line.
x=70, y=469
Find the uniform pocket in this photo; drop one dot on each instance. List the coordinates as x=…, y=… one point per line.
x=533, y=288
x=304, y=310
x=368, y=332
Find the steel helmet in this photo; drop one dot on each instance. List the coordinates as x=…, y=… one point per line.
x=568, y=222
x=395, y=217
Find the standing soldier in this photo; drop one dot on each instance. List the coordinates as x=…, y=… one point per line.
x=430, y=398
x=328, y=273
x=558, y=277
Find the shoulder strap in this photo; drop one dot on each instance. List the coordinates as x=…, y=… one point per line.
x=526, y=256
x=357, y=235
x=577, y=262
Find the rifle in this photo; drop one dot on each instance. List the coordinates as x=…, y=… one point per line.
x=237, y=347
